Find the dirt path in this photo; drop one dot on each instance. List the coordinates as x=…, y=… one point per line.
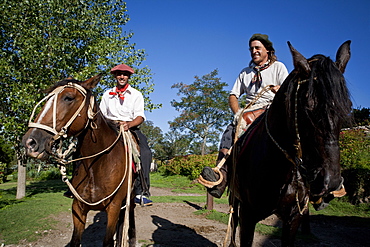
x=175, y=225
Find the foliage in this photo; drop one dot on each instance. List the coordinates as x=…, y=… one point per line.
x=355, y=162
x=361, y=116
x=173, y=144
x=44, y=175
x=6, y=151
x=44, y=42
x=203, y=109
x=152, y=133
x=7, y=156
x=190, y=165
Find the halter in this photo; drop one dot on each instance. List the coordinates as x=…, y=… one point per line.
x=55, y=93
x=60, y=155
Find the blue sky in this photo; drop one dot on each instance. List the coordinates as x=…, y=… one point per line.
x=184, y=38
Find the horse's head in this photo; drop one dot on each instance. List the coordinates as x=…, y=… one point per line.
x=319, y=103
x=66, y=112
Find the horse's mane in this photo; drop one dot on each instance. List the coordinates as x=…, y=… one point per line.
x=323, y=94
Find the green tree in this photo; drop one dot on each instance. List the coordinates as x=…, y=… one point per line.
x=173, y=144
x=42, y=42
x=203, y=109
x=152, y=133
x=361, y=116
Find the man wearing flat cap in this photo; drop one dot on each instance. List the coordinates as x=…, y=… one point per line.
x=263, y=70
x=125, y=105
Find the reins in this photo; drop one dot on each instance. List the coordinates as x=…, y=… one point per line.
x=297, y=161
x=61, y=156
x=216, y=169
x=127, y=138
x=220, y=164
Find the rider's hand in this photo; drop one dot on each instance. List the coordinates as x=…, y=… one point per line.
x=126, y=125
x=274, y=89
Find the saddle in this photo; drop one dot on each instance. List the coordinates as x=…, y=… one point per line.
x=250, y=116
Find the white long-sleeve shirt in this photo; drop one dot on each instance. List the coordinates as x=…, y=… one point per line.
x=128, y=109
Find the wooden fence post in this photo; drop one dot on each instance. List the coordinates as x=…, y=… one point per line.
x=209, y=202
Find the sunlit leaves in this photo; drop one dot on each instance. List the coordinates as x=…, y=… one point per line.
x=42, y=42
x=203, y=108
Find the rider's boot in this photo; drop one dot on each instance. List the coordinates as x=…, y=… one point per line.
x=209, y=175
x=68, y=194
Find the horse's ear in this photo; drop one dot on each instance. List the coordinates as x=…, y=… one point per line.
x=299, y=61
x=92, y=82
x=343, y=55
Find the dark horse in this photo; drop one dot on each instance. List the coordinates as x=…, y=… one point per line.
x=101, y=181
x=290, y=155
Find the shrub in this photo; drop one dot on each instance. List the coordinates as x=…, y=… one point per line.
x=189, y=165
x=50, y=173
x=355, y=162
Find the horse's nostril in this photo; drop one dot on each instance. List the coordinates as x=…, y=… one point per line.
x=31, y=143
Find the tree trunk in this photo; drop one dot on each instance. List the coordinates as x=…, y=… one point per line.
x=204, y=145
x=21, y=184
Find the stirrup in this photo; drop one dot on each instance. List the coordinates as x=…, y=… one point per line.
x=210, y=184
x=339, y=193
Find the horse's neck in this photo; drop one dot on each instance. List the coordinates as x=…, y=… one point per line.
x=280, y=126
x=97, y=138
x=277, y=117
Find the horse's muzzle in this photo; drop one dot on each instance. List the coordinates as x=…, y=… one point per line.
x=37, y=143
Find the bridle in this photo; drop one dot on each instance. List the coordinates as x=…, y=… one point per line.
x=62, y=134
x=297, y=159
x=55, y=93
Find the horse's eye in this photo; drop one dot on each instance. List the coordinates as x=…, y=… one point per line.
x=68, y=98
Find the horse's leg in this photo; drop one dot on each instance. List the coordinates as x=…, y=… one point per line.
x=305, y=225
x=132, y=228
x=290, y=228
x=234, y=222
x=79, y=213
x=247, y=226
x=119, y=228
x=113, y=211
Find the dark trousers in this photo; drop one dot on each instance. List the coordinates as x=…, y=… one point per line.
x=227, y=138
x=141, y=187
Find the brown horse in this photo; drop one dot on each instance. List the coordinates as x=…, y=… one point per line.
x=101, y=180
x=290, y=155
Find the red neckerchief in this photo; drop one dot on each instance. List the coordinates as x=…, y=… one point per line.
x=120, y=92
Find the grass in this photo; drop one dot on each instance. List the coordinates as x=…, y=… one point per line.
x=177, y=183
x=28, y=219
x=340, y=208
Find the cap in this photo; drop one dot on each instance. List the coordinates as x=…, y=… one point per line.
x=122, y=67
x=264, y=38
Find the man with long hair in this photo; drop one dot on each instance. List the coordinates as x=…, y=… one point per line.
x=263, y=70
